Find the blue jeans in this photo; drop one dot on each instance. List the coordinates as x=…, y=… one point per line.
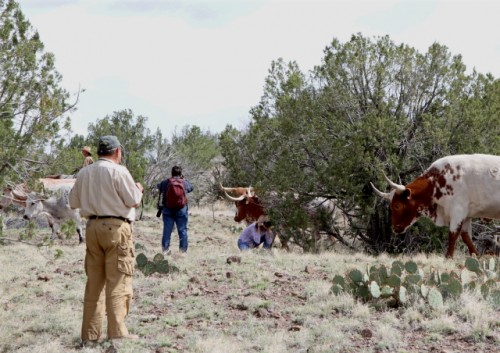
x=180, y=218
x=243, y=246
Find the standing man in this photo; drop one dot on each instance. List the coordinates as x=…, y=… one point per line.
x=173, y=193
x=87, y=160
x=107, y=195
x=87, y=156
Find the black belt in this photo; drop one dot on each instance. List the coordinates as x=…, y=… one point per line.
x=116, y=217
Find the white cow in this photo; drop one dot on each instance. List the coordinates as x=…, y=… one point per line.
x=57, y=210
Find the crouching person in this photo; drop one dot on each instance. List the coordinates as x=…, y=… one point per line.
x=107, y=195
x=256, y=234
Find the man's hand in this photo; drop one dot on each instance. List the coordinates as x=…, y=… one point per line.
x=140, y=187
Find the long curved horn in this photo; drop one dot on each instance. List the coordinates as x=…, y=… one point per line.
x=250, y=192
x=226, y=189
x=384, y=195
x=242, y=197
x=19, y=196
x=398, y=187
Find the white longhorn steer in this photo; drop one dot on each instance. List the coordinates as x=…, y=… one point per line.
x=56, y=208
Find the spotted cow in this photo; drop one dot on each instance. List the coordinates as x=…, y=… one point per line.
x=451, y=192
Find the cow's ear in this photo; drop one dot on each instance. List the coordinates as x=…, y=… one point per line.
x=407, y=193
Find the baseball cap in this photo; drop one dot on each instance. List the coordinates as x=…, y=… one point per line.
x=107, y=144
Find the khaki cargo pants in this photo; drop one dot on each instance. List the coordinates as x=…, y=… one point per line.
x=109, y=265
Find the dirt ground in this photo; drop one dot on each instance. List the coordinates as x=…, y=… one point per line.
x=222, y=300
x=286, y=290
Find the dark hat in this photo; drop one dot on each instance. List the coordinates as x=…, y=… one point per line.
x=107, y=144
x=264, y=220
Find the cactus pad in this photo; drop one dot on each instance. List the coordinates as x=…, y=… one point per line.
x=374, y=289
x=411, y=267
x=141, y=260
x=386, y=291
x=339, y=280
x=424, y=290
x=435, y=298
x=356, y=276
x=158, y=257
x=162, y=266
x=149, y=268
x=336, y=289
x=397, y=268
x=402, y=297
x=472, y=264
x=394, y=280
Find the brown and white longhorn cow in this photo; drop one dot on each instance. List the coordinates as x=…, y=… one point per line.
x=248, y=205
x=452, y=191
x=324, y=213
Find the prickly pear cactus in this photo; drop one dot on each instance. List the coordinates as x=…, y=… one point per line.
x=148, y=269
x=339, y=285
x=466, y=276
x=406, y=282
x=424, y=290
x=472, y=264
x=162, y=266
x=451, y=289
x=374, y=289
x=495, y=298
x=158, y=257
x=401, y=295
x=394, y=280
x=159, y=265
x=356, y=276
x=386, y=291
x=397, y=268
x=411, y=267
x=141, y=260
x=435, y=298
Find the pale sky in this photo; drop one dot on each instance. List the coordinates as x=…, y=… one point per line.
x=203, y=63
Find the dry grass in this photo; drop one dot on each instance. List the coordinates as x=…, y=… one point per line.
x=271, y=302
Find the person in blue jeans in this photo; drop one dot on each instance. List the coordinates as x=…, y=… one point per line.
x=177, y=215
x=255, y=234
